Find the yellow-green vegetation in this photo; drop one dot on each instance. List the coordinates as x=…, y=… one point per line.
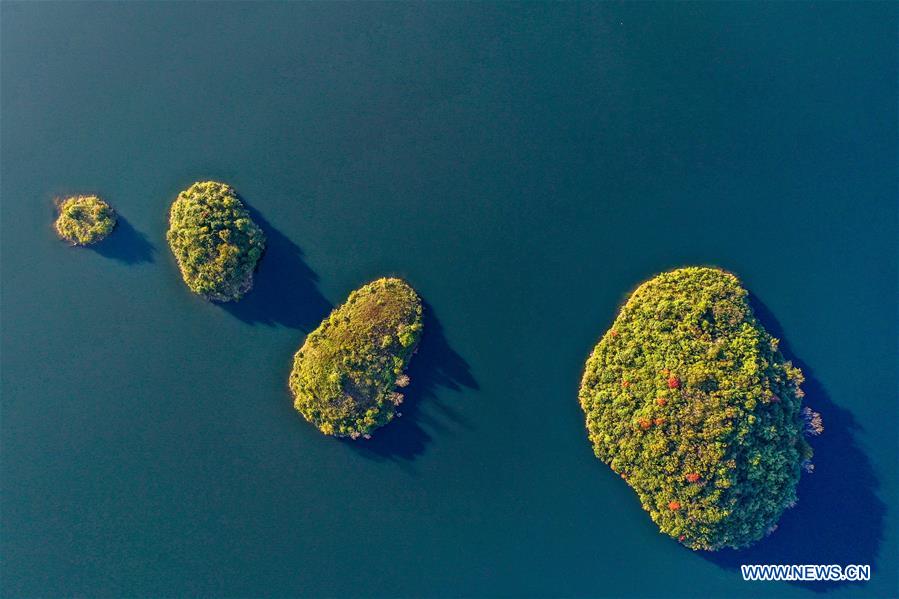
x=215, y=241
x=345, y=375
x=84, y=220
x=689, y=400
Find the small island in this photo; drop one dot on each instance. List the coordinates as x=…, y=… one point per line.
x=689, y=400
x=215, y=241
x=345, y=376
x=84, y=220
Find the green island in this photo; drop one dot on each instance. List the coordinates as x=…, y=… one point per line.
x=689, y=400
x=345, y=376
x=215, y=241
x=84, y=220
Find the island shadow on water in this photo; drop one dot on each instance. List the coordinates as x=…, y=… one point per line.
x=126, y=244
x=285, y=290
x=839, y=518
x=435, y=365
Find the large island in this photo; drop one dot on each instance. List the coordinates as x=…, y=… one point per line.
x=688, y=399
x=345, y=375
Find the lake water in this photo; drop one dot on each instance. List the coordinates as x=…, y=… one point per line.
x=524, y=167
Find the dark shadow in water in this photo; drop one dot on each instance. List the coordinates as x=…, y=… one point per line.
x=839, y=518
x=285, y=290
x=435, y=365
x=126, y=244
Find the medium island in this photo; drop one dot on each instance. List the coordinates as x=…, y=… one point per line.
x=84, y=220
x=345, y=375
x=215, y=241
x=688, y=399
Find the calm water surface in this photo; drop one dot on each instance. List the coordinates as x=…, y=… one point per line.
x=524, y=167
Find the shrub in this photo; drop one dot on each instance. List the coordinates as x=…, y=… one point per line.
x=214, y=240
x=84, y=220
x=703, y=375
x=344, y=375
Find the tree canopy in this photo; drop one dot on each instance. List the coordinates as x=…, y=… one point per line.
x=689, y=400
x=215, y=241
x=84, y=220
x=345, y=375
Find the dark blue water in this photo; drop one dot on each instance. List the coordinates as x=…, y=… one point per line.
x=524, y=167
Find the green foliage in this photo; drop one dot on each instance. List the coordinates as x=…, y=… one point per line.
x=84, y=220
x=344, y=376
x=214, y=240
x=688, y=399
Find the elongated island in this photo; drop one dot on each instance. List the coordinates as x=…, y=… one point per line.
x=215, y=241
x=345, y=376
x=84, y=220
x=689, y=400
